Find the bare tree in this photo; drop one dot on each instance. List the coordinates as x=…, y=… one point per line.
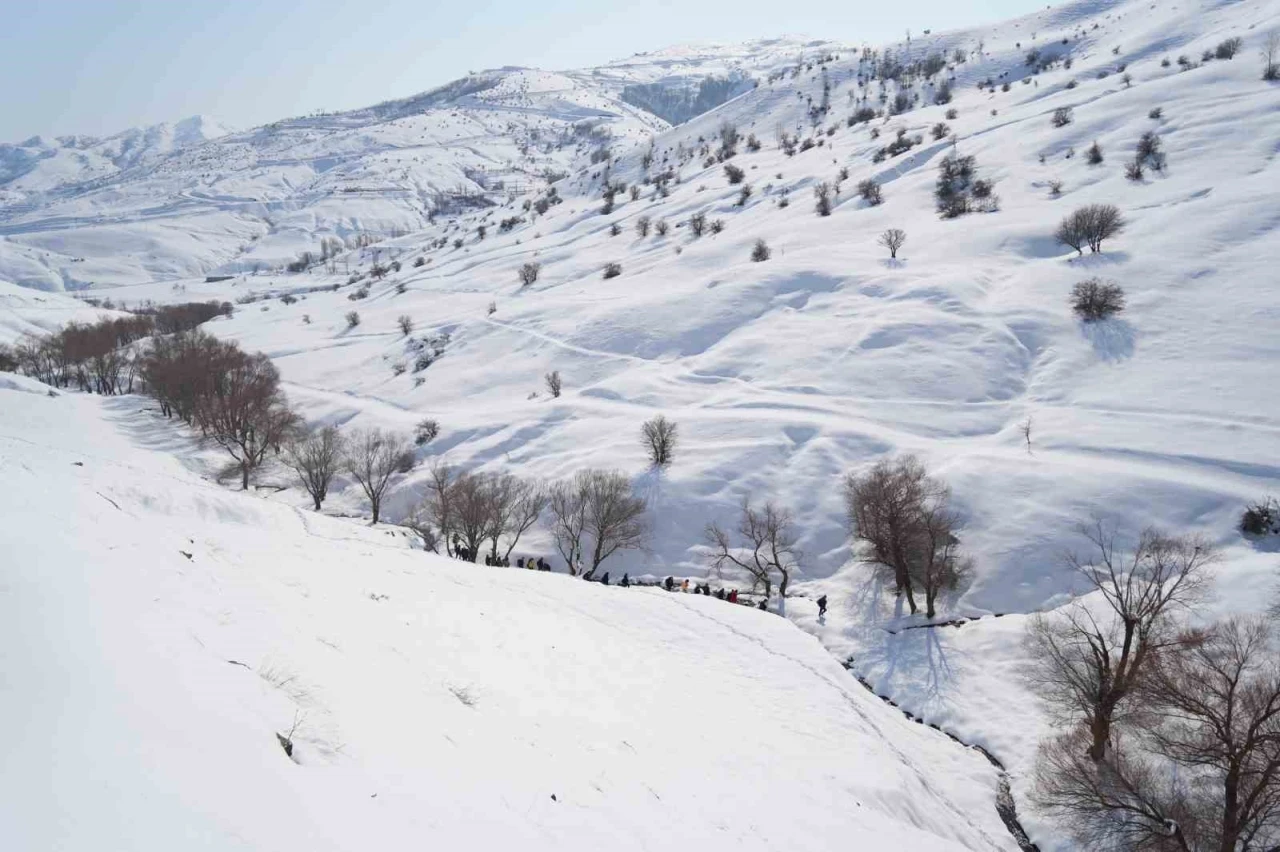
x=553, y=382
x=568, y=504
x=353, y=319
x=1199, y=770
x=1090, y=660
x=472, y=514
x=642, y=226
x=1271, y=56
x=1094, y=299
x=406, y=324
x=615, y=515
x=372, y=458
x=436, y=509
x=1090, y=225
x=768, y=547
x=660, y=436
x=1025, y=428
x=697, y=224
x=595, y=509
x=902, y=516
x=529, y=273
x=514, y=507
x=316, y=459
x=246, y=415
x=892, y=239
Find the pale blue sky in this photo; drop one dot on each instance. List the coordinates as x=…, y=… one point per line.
x=99, y=66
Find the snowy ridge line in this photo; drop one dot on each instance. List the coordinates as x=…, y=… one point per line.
x=1005, y=805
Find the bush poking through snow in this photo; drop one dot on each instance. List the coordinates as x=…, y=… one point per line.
x=958, y=191
x=1089, y=226
x=734, y=174
x=612, y=270
x=353, y=319
x=552, y=380
x=743, y=195
x=1094, y=299
x=1148, y=151
x=1228, y=48
x=1271, y=57
x=659, y=437
x=425, y=432
x=698, y=224
x=642, y=226
x=892, y=239
x=1055, y=188
x=1061, y=116
x=1093, y=156
x=870, y=192
x=529, y=273
x=822, y=192
x=406, y=324
x=760, y=251
x=1261, y=518
x=1156, y=113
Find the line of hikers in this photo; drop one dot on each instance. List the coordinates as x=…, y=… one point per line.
x=670, y=584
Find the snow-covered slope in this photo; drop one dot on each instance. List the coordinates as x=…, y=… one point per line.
x=787, y=374
x=24, y=311
x=158, y=632
x=173, y=201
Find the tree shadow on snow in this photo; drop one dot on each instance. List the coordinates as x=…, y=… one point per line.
x=1112, y=339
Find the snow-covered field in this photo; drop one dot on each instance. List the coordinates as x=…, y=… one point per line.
x=157, y=632
x=788, y=374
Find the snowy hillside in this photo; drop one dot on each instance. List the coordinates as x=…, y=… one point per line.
x=190, y=199
x=785, y=373
x=159, y=633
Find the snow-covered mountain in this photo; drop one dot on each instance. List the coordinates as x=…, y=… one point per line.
x=173, y=201
x=786, y=374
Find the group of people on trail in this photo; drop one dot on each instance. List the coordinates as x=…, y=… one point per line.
x=670, y=584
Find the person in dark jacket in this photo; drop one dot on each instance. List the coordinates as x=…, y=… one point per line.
x=763, y=606
x=822, y=606
x=605, y=578
x=720, y=594
x=669, y=583
x=626, y=581
x=520, y=562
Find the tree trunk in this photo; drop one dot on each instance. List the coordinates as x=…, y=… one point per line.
x=318, y=500
x=1100, y=732
x=244, y=476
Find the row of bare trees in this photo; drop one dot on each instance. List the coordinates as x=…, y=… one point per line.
x=104, y=356
x=592, y=515
x=233, y=397
x=1171, y=734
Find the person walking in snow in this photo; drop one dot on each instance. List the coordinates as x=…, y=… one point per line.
x=626, y=581
x=733, y=596
x=763, y=606
x=684, y=586
x=605, y=579
x=669, y=584
x=822, y=606
x=720, y=594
